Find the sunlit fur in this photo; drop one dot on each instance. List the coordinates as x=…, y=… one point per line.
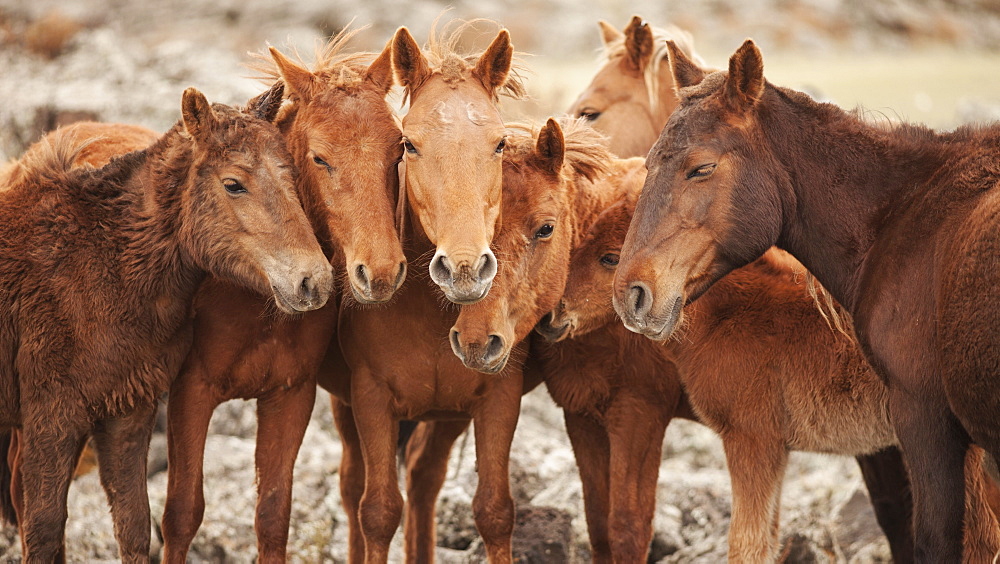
x=632, y=93
x=243, y=349
x=896, y=222
x=100, y=266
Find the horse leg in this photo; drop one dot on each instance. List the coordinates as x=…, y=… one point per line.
x=889, y=491
x=492, y=506
x=47, y=458
x=282, y=418
x=352, y=477
x=122, y=451
x=982, y=537
x=427, y=465
x=934, y=447
x=381, y=506
x=635, y=433
x=593, y=456
x=756, y=467
x=16, y=489
x=189, y=411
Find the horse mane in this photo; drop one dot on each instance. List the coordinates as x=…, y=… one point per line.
x=336, y=66
x=47, y=161
x=444, y=55
x=659, y=59
x=586, y=153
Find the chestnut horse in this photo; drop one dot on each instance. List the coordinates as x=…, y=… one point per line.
x=897, y=222
x=761, y=365
x=99, y=269
x=632, y=93
x=346, y=144
x=537, y=197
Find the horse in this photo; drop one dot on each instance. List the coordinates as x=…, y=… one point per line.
x=346, y=144
x=893, y=220
x=99, y=268
x=632, y=93
x=761, y=365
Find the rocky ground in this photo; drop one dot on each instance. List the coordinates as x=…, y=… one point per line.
x=117, y=60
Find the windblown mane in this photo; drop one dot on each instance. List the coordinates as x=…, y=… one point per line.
x=445, y=57
x=338, y=67
x=586, y=152
x=659, y=60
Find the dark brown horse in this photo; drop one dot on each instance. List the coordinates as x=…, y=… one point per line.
x=761, y=365
x=897, y=222
x=99, y=268
x=344, y=139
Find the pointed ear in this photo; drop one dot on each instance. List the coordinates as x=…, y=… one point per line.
x=408, y=62
x=683, y=69
x=609, y=33
x=301, y=82
x=494, y=64
x=197, y=114
x=638, y=44
x=551, y=146
x=265, y=106
x=745, y=83
x=379, y=72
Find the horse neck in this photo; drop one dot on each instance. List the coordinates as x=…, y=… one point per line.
x=839, y=181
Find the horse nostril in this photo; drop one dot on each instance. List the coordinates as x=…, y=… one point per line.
x=401, y=275
x=306, y=288
x=546, y=320
x=488, y=266
x=494, y=348
x=456, y=347
x=640, y=299
x=361, y=273
x=440, y=269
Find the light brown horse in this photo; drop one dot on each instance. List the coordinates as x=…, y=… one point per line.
x=99, y=268
x=897, y=222
x=345, y=141
x=454, y=140
x=632, y=93
x=421, y=378
x=761, y=365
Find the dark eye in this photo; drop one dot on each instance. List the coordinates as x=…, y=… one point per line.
x=609, y=260
x=702, y=171
x=233, y=186
x=409, y=147
x=501, y=145
x=544, y=232
x=589, y=114
x=320, y=161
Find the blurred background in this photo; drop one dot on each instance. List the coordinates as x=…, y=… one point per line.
x=930, y=61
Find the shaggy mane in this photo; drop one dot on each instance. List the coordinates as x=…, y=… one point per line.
x=586, y=152
x=336, y=66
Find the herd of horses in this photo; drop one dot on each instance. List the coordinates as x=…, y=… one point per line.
x=312, y=238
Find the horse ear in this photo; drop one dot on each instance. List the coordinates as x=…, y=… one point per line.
x=745, y=83
x=265, y=106
x=685, y=71
x=609, y=33
x=408, y=62
x=638, y=44
x=551, y=146
x=197, y=114
x=494, y=64
x=300, y=81
x=379, y=72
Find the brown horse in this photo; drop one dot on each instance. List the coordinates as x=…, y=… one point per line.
x=454, y=140
x=895, y=221
x=99, y=268
x=344, y=139
x=761, y=365
x=420, y=377
x=632, y=94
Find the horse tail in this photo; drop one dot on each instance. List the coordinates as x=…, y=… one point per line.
x=7, y=512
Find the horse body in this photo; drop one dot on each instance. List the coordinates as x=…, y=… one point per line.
x=99, y=269
x=345, y=143
x=910, y=234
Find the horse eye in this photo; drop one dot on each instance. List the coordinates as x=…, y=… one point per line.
x=702, y=171
x=589, y=115
x=610, y=260
x=544, y=232
x=320, y=162
x=233, y=186
x=409, y=147
x=501, y=145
